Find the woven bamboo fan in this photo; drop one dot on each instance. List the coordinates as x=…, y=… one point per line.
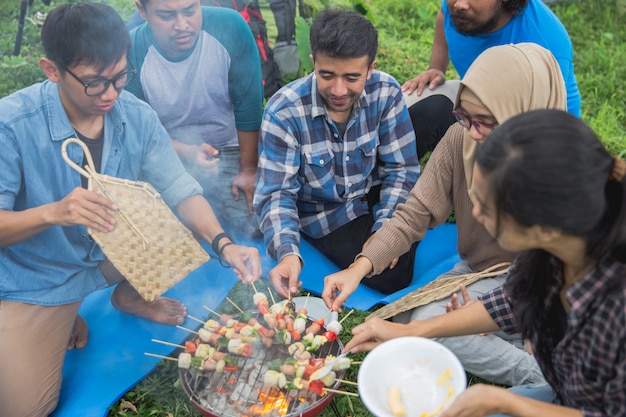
x=436, y=290
x=149, y=245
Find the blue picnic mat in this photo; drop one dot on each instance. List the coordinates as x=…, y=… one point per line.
x=435, y=255
x=113, y=361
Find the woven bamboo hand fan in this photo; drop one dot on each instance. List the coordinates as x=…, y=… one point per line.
x=436, y=290
x=149, y=245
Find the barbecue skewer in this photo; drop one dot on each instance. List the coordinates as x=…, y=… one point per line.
x=160, y=356
x=195, y=319
x=269, y=291
x=325, y=315
x=336, y=391
x=235, y=305
x=186, y=329
x=212, y=311
x=343, y=381
x=346, y=316
x=163, y=342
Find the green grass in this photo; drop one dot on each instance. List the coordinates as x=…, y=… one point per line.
x=406, y=32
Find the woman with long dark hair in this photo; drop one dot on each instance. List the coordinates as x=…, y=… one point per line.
x=546, y=188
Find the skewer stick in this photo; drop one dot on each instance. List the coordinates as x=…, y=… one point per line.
x=307, y=300
x=253, y=286
x=271, y=295
x=163, y=342
x=195, y=319
x=235, y=305
x=346, y=316
x=343, y=381
x=160, y=356
x=212, y=311
x=336, y=391
x=355, y=362
x=186, y=329
x=326, y=315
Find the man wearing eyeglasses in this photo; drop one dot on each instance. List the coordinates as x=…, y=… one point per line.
x=463, y=30
x=48, y=262
x=198, y=67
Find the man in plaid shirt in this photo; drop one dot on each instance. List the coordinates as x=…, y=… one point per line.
x=336, y=155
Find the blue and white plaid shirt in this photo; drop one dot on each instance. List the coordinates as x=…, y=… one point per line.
x=312, y=179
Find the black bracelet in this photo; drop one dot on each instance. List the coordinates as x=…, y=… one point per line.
x=221, y=252
x=215, y=245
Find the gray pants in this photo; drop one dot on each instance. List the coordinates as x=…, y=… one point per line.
x=217, y=191
x=497, y=357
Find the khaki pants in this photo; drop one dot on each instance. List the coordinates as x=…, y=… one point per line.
x=33, y=344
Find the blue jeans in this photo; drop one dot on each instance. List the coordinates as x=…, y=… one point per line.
x=233, y=214
x=541, y=392
x=497, y=357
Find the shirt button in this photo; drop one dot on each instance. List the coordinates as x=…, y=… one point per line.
x=349, y=184
x=321, y=161
x=347, y=158
x=336, y=135
x=84, y=236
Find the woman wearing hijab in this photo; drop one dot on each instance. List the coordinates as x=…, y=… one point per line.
x=503, y=81
x=566, y=290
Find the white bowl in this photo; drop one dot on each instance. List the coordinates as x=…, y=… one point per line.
x=428, y=374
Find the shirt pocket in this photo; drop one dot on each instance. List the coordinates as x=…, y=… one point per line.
x=366, y=160
x=319, y=174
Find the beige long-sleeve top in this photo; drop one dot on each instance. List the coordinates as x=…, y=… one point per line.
x=441, y=187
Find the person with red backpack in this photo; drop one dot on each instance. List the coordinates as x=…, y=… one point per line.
x=198, y=67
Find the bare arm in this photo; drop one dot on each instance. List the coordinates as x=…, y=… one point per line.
x=436, y=73
x=480, y=400
x=80, y=207
x=248, y=161
x=439, y=58
x=198, y=215
x=472, y=319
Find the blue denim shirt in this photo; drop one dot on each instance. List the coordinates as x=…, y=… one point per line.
x=60, y=265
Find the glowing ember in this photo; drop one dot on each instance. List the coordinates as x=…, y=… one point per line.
x=273, y=400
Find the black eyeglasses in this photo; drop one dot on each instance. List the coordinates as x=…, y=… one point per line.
x=101, y=84
x=467, y=122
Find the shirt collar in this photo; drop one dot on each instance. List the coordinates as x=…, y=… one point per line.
x=317, y=103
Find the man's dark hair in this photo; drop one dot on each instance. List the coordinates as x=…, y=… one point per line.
x=514, y=6
x=85, y=33
x=343, y=34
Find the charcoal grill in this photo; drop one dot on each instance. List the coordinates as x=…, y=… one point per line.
x=242, y=394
